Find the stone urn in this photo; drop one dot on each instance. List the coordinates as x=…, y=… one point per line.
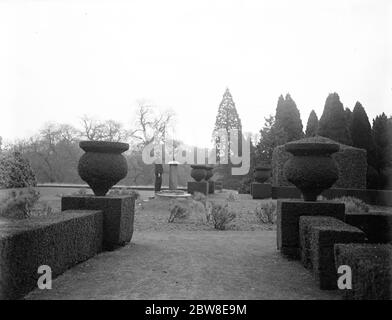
x=311, y=169
x=199, y=172
x=209, y=173
x=262, y=173
x=103, y=164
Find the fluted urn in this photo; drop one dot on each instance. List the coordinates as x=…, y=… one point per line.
x=198, y=172
x=102, y=165
x=311, y=169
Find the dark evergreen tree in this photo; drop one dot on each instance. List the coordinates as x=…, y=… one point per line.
x=361, y=133
x=288, y=118
x=333, y=122
x=271, y=136
x=349, y=117
x=382, y=141
x=312, y=125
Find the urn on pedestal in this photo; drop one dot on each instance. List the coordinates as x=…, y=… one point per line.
x=311, y=169
x=199, y=172
x=103, y=165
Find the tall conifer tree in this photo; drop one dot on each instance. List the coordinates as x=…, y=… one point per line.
x=312, y=125
x=333, y=123
x=288, y=118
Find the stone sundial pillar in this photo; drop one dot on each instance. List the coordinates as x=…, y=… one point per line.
x=173, y=175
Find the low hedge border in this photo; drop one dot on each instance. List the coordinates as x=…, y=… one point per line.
x=60, y=241
x=371, y=267
x=376, y=225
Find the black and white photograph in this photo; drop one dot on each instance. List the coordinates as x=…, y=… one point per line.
x=195, y=157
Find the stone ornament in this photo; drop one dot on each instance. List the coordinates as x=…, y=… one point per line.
x=102, y=165
x=311, y=169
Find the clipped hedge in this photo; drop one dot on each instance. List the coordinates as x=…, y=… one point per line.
x=351, y=162
x=59, y=241
x=376, y=225
x=305, y=225
x=322, y=240
x=371, y=266
x=15, y=171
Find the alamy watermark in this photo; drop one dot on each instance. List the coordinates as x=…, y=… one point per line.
x=229, y=152
x=45, y=281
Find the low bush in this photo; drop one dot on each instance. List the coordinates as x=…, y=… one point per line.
x=245, y=186
x=201, y=204
x=124, y=192
x=198, y=196
x=266, y=212
x=221, y=216
x=353, y=205
x=80, y=192
x=177, y=212
x=19, y=203
x=231, y=197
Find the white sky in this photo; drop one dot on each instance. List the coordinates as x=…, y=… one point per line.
x=62, y=59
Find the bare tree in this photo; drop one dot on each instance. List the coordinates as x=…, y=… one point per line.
x=151, y=126
x=108, y=130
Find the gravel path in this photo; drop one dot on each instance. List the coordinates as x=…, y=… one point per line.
x=189, y=265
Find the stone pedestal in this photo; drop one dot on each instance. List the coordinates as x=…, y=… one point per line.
x=194, y=186
x=173, y=175
x=288, y=213
x=261, y=190
x=118, y=215
x=211, y=186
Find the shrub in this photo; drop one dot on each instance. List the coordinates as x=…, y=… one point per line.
x=221, y=216
x=245, y=186
x=124, y=192
x=200, y=203
x=15, y=171
x=19, y=203
x=198, y=196
x=353, y=205
x=80, y=192
x=231, y=197
x=266, y=213
x=177, y=212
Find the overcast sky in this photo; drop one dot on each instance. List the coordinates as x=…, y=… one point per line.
x=60, y=60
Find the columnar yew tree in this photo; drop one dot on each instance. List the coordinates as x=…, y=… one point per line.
x=349, y=118
x=383, y=141
x=312, y=125
x=333, y=123
x=361, y=132
x=382, y=135
x=288, y=118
